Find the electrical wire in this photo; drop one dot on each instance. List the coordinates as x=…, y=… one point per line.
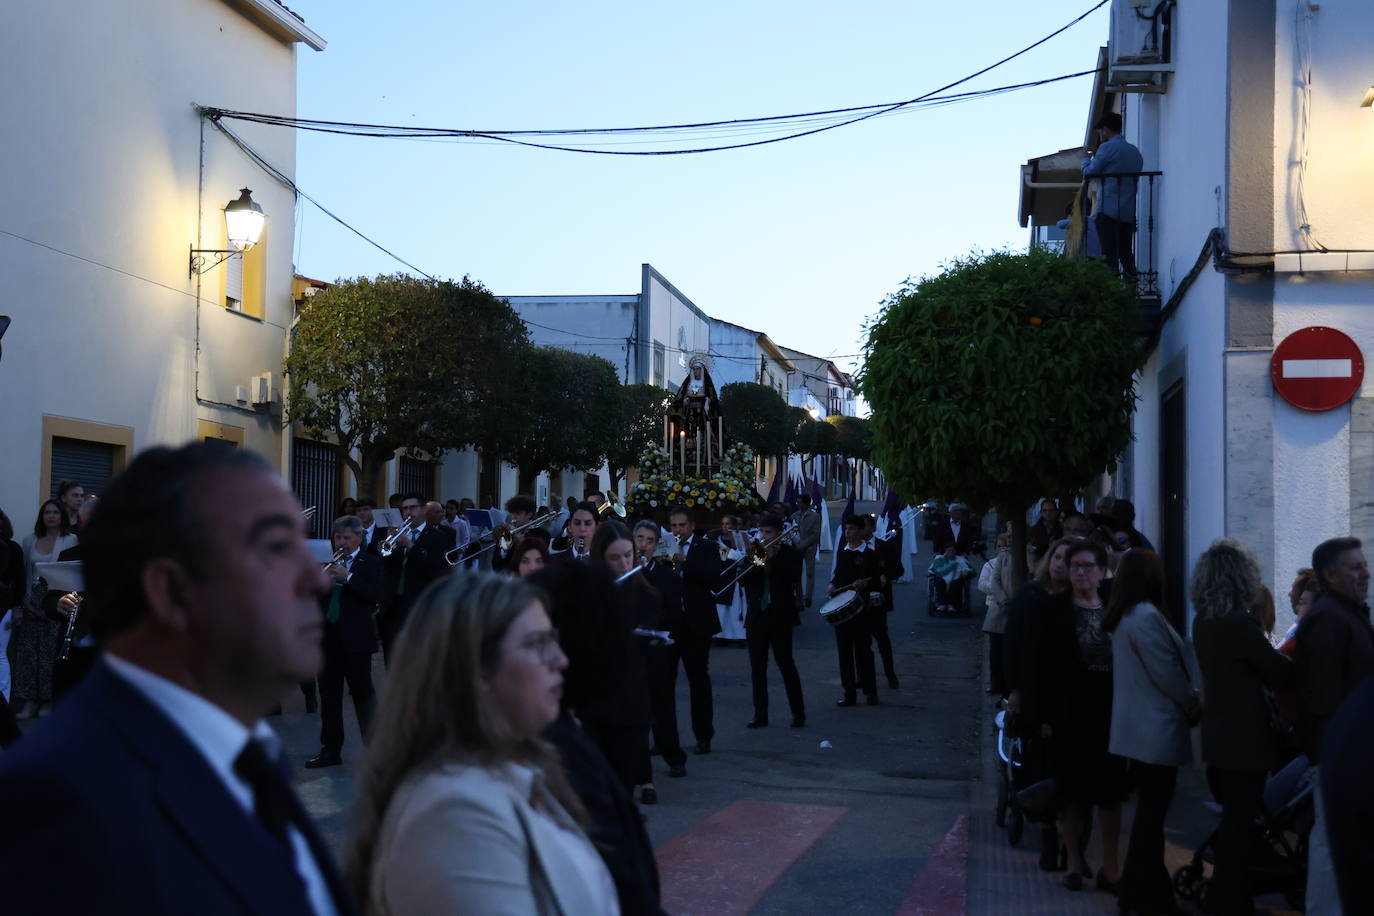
x=821, y=120
x=1302, y=46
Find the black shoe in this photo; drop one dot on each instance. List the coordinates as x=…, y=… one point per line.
x=846, y=701
x=648, y=796
x=654, y=751
x=1049, y=850
x=799, y=721
x=323, y=759
x=756, y=722
x=677, y=772
x=1073, y=881
x=702, y=747
x=872, y=699
x=312, y=705
x=1107, y=884
x=892, y=681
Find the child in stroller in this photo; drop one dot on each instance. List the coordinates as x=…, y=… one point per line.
x=1278, y=856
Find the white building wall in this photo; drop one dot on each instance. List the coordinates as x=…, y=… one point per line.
x=104, y=152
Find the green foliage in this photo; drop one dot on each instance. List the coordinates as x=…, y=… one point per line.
x=1003, y=378
x=757, y=416
x=853, y=436
x=640, y=426
x=401, y=362
x=815, y=437
x=567, y=414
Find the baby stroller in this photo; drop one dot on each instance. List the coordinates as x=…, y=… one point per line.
x=1278, y=847
x=1008, y=815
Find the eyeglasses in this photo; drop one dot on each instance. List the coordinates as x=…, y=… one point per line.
x=544, y=646
x=1082, y=567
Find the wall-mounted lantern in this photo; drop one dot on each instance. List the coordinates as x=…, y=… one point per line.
x=243, y=223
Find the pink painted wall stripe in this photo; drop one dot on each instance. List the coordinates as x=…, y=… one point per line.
x=725, y=864
x=941, y=888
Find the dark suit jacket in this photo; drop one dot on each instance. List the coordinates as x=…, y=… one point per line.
x=1237, y=663
x=782, y=573
x=1348, y=797
x=669, y=587
x=358, y=600
x=1335, y=652
x=423, y=563
x=963, y=544
x=700, y=579
x=109, y=809
x=13, y=588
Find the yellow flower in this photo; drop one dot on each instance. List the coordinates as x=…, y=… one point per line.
x=691, y=502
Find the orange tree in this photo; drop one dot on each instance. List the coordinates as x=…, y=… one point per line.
x=1003, y=378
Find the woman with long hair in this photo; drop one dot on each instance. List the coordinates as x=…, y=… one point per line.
x=1074, y=681
x=621, y=728
x=1154, y=702
x=34, y=638
x=461, y=806
x=1239, y=746
x=1025, y=613
x=528, y=557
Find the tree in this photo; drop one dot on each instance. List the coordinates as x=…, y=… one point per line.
x=569, y=408
x=640, y=425
x=813, y=438
x=757, y=416
x=853, y=440
x=397, y=362
x=1006, y=377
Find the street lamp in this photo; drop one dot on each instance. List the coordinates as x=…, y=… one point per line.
x=815, y=414
x=243, y=224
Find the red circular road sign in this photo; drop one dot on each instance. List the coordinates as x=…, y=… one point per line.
x=1317, y=368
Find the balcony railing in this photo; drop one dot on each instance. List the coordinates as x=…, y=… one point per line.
x=1113, y=220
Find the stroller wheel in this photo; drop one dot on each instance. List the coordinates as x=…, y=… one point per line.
x=1016, y=826
x=1188, y=882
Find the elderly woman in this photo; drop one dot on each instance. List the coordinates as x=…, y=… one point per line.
x=1238, y=744
x=1154, y=703
x=1074, y=682
x=995, y=581
x=462, y=807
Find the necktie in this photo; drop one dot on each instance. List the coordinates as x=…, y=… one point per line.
x=332, y=615
x=271, y=795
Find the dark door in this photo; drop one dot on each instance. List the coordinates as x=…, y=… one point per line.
x=1173, y=496
x=488, y=483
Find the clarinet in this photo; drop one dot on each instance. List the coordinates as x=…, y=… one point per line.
x=71, y=628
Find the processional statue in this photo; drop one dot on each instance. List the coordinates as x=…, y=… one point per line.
x=693, y=429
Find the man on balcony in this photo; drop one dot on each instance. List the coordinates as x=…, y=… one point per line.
x=1116, y=166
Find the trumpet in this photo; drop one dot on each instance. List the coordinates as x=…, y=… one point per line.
x=500, y=536
x=71, y=626
x=388, y=547
x=338, y=555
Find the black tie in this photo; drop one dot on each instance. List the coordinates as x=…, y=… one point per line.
x=271, y=794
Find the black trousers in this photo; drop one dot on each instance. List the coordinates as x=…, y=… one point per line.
x=877, y=622
x=662, y=665
x=356, y=669
x=389, y=625
x=1239, y=794
x=1145, y=883
x=779, y=639
x=1117, y=237
x=695, y=651
x=626, y=749
x=854, y=643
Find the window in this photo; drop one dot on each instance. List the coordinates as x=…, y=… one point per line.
x=416, y=476
x=227, y=437
x=315, y=480
x=89, y=453
x=244, y=278
x=660, y=370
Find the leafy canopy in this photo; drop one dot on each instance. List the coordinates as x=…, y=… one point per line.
x=815, y=437
x=757, y=416
x=853, y=436
x=640, y=425
x=1003, y=378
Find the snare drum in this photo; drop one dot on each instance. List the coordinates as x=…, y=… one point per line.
x=842, y=608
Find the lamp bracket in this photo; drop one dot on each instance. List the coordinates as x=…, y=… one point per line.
x=199, y=263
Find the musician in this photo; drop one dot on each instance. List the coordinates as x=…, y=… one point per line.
x=662, y=659
x=859, y=567
x=529, y=556
x=596, y=498
x=519, y=512
x=698, y=562
x=370, y=539
x=581, y=529
x=152, y=789
x=731, y=603
x=878, y=611
x=416, y=561
x=808, y=524
x=81, y=654
x=774, y=595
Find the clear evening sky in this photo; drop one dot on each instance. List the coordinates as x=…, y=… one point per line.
x=800, y=239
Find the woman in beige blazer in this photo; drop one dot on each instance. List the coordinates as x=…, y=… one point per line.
x=462, y=808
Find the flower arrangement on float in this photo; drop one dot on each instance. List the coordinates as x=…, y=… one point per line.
x=661, y=487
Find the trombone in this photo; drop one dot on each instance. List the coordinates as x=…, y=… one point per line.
x=612, y=505
x=388, y=547
x=500, y=536
x=757, y=556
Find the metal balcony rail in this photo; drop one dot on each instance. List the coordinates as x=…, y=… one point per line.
x=1112, y=219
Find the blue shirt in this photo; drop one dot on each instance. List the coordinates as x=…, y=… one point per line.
x=1116, y=196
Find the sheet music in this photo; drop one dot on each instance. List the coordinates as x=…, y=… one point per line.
x=320, y=551
x=65, y=576
x=386, y=518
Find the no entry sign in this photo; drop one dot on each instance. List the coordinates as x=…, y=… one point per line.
x=1317, y=368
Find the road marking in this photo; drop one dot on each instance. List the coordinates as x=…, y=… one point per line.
x=1318, y=368
x=725, y=864
x=941, y=888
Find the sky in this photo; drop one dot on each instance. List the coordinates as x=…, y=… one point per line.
x=800, y=239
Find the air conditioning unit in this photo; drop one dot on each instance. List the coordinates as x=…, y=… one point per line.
x=1141, y=42
x=262, y=390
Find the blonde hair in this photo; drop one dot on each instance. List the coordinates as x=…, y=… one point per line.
x=1226, y=580
x=1042, y=568
x=432, y=712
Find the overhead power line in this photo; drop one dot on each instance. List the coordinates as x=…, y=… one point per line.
x=794, y=126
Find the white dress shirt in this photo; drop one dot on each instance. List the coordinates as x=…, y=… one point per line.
x=220, y=738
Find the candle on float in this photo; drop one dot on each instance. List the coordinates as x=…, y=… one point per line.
x=682, y=449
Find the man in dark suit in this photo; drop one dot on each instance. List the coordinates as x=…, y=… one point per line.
x=662, y=659
x=700, y=566
x=956, y=533
x=773, y=596
x=155, y=787
x=889, y=550
x=350, y=638
x=370, y=532
x=416, y=561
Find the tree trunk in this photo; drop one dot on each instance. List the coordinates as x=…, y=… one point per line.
x=372, y=479
x=526, y=480
x=1017, y=517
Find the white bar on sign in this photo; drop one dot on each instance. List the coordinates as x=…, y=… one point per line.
x=1317, y=368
